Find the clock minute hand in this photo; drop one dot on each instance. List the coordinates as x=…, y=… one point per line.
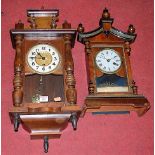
x=108, y=60
x=32, y=57
x=38, y=58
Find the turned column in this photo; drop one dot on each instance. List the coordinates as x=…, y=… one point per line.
x=71, y=93
x=91, y=87
x=127, y=49
x=18, y=68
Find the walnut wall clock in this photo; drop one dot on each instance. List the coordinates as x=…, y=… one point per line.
x=44, y=96
x=110, y=84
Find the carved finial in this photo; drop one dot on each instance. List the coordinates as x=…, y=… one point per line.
x=42, y=7
x=19, y=25
x=80, y=28
x=19, y=21
x=53, y=22
x=131, y=29
x=66, y=25
x=105, y=14
x=32, y=22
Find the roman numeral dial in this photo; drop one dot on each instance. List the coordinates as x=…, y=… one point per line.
x=43, y=58
x=108, y=61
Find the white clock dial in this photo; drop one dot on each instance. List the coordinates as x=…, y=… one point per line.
x=43, y=58
x=108, y=61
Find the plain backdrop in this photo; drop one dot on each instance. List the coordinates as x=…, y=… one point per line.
x=96, y=135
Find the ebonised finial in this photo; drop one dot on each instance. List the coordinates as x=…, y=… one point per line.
x=80, y=28
x=131, y=29
x=105, y=14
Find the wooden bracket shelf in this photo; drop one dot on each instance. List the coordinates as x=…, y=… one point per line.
x=137, y=103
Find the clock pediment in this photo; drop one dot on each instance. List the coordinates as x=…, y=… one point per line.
x=106, y=31
x=100, y=37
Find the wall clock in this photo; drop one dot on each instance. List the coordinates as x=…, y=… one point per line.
x=44, y=95
x=110, y=84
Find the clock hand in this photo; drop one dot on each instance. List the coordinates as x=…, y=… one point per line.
x=38, y=58
x=115, y=63
x=108, y=60
x=32, y=57
x=43, y=58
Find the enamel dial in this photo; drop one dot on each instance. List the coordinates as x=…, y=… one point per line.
x=43, y=58
x=108, y=61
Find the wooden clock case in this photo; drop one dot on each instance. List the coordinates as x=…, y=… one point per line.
x=110, y=100
x=44, y=120
x=47, y=120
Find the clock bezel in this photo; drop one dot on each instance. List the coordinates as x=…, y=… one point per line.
x=113, y=72
x=43, y=73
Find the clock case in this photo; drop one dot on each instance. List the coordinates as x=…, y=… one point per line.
x=110, y=99
x=44, y=120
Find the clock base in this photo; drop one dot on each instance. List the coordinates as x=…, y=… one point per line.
x=45, y=121
x=116, y=104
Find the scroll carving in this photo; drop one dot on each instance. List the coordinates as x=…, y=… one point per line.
x=18, y=66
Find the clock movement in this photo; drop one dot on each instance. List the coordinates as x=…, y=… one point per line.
x=111, y=87
x=44, y=95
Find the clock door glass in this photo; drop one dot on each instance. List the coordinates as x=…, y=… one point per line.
x=43, y=58
x=108, y=61
x=109, y=64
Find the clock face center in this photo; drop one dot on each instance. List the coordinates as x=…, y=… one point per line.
x=43, y=58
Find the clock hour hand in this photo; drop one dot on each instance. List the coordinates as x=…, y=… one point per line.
x=43, y=58
x=115, y=63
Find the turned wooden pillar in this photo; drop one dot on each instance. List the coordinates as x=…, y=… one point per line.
x=18, y=68
x=71, y=93
x=127, y=49
x=90, y=73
